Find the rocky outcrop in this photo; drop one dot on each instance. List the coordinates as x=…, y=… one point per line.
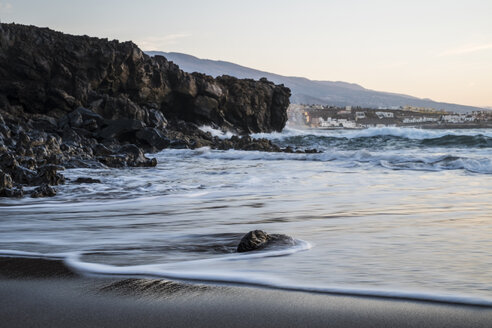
x=51, y=73
x=258, y=239
x=75, y=101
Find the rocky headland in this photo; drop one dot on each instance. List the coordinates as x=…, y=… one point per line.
x=77, y=101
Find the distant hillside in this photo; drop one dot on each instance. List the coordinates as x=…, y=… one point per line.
x=306, y=91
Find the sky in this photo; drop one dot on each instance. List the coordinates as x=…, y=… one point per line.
x=434, y=49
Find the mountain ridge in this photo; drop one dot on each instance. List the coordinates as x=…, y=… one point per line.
x=304, y=90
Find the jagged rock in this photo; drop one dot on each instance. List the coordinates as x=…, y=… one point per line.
x=258, y=239
x=205, y=107
x=43, y=71
x=113, y=160
x=81, y=118
x=23, y=175
x=12, y=192
x=128, y=155
x=156, y=119
x=101, y=150
x=43, y=191
x=121, y=129
x=153, y=138
x=5, y=181
x=47, y=174
x=78, y=101
x=136, y=157
x=44, y=123
x=8, y=161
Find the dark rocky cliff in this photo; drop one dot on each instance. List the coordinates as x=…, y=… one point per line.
x=48, y=72
x=76, y=101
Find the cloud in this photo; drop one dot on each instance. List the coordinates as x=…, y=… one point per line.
x=160, y=42
x=465, y=50
x=5, y=7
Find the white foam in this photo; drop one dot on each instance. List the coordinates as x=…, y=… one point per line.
x=409, y=133
x=216, y=132
x=256, y=279
x=172, y=271
x=408, y=160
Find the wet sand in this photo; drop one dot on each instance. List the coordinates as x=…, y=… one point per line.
x=59, y=298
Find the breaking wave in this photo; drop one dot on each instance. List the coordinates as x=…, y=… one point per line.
x=395, y=160
x=385, y=138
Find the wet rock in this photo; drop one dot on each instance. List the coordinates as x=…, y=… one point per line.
x=121, y=129
x=43, y=191
x=44, y=123
x=42, y=73
x=288, y=149
x=23, y=175
x=258, y=239
x=205, y=107
x=135, y=156
x=71, y=137
x=8, y=161
x=114, y=161
x=5, y=181
x=101, y=150
x=156, y=119
x=47, y=174
x=78, y=101
x=12, y=192
x=153, y=137
x=87, y=180
x=179, y=144
x=28, y=162
x=128, y=155
x=248, y=143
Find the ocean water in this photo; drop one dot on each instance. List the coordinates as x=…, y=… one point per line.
x=386, y=212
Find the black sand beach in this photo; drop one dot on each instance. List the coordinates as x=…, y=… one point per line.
x=33, y=296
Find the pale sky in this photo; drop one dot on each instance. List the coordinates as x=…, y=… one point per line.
x=430, y=49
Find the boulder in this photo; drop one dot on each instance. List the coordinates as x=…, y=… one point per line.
x=121, y=129
x=153, y=137
x=43, y=191
x=12, y=192
x=87, y=180
x=5, y=181
x=47, y=174
x=258, y=239
x=128, y=155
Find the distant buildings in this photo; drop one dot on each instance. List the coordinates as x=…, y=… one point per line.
x=318, y=116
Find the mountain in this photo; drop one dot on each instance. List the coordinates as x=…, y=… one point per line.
x=305, y=91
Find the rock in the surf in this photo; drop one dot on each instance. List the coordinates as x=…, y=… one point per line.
x=87, y=180
x=44, y=190
x=259, y=239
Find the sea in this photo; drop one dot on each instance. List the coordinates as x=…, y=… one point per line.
x=384, y=212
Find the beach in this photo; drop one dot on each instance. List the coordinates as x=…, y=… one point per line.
x=40, y=293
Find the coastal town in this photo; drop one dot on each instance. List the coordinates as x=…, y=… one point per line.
x=330, y=117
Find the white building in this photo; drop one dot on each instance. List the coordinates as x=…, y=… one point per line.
x=382, y=115
x=420, y=119
x=458, y=118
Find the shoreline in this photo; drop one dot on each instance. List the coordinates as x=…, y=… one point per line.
x=39, y=292
x=423, y=127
